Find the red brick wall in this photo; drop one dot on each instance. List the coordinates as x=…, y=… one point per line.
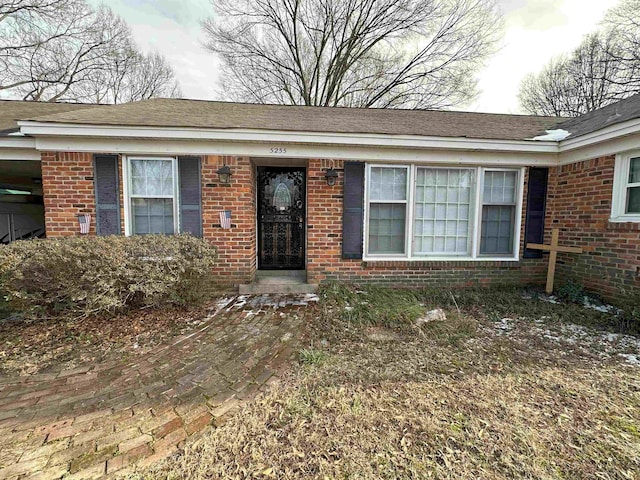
x=67, y=185
x=237, y=245
x=67, y=181
x=579, y=203
x=324, y=243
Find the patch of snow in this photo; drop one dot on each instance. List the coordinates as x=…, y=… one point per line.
x=505, y=325
x=550, y=299
x=553, y=135
x=436, y=315
x=630, y=358
x=311, y=297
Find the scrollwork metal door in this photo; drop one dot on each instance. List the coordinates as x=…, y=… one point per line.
x=281, y=218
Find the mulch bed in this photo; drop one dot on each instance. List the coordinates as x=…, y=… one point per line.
x=49, y=345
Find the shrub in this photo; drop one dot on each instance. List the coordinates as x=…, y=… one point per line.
x=103, y=275
x=572, y=291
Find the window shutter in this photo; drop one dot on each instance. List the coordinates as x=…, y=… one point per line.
x=353, y=210
x=107, y=191
x=190, y=196
x=536, y=206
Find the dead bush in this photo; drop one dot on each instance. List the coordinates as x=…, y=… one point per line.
x=104, y=275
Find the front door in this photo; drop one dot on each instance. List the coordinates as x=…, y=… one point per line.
x=281, y=218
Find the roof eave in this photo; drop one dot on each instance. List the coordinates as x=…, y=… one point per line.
x=47, y=129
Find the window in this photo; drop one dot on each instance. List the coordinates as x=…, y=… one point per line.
x=152, y=199
x=442, y=212
x=387, y=209
x=626, y=189
x=498, y=212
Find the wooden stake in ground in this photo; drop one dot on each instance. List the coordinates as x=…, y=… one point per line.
x=553, y=250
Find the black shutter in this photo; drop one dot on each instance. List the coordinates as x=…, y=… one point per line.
x=107, y=190
x=353, y=210
x=536, y=205
x=190, y=196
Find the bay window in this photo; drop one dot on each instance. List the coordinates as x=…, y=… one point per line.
x=151, y=201
x=433, y=212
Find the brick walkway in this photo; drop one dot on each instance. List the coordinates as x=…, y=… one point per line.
x=104, y=418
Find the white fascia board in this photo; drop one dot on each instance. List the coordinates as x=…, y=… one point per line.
x=11, y=141
x=130, y=146
x=603, y=135
x=611, y=146
x=18, y=148
x=284, y=137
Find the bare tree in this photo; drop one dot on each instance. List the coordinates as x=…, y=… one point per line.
x=604, y=69
x=364, y=53
x=64, y=50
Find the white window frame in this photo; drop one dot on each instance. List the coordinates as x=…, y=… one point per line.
x=472, y=208
x=620, y=186
x=407, y=202
x=127, y=188
x=476, y=221
x=517, y=213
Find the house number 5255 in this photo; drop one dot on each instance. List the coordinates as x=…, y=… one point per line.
x=278, y=150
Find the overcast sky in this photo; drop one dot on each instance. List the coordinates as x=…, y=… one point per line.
x=535, y=30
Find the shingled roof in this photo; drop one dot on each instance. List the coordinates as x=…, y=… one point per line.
x=622, y=111
x=13, y=110
x=161, y=112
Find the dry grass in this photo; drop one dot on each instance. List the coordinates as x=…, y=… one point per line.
x=454, y=399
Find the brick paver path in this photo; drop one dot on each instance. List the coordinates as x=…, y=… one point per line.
x=106, y=418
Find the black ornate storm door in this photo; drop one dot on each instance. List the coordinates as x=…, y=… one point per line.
x=281, y=218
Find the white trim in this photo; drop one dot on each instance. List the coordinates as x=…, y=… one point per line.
x=126, y=180
x=367, y=202
x=604, y=134
x=18, y=148
x=620, y=186
x=283, y=137
x=475, y=235
x=17, y=141
x=345, y=152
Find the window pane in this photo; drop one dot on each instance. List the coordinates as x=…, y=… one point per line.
x=633, y=200
x=634, y=170
x=442, y=211
x=388, y=183
x=151, y=177
x=499, y=187
x=497, y=229
x=152, y=215
x=386, y=228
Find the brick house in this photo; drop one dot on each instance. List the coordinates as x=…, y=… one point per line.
x=388, y=196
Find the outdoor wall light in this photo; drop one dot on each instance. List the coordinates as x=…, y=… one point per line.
x=330, y=176
x=224, y=174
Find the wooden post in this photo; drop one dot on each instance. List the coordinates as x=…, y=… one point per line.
x=553, y=250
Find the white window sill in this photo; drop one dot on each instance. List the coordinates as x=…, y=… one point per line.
x=440, y=259
x=625, y=219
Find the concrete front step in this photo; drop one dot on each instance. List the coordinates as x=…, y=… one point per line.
x=260, y=288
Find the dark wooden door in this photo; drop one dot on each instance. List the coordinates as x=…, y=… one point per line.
x=281, y=218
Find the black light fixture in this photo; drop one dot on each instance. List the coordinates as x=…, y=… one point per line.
x=224, y=174
x=331, y=176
